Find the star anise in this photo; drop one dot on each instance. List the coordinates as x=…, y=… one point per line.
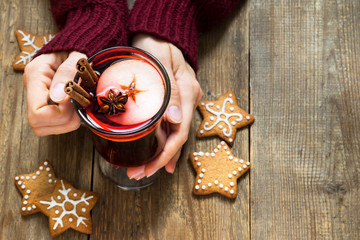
x=113, y=104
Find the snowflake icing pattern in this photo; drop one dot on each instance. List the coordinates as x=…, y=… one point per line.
x=30, y=41
x=65, y=212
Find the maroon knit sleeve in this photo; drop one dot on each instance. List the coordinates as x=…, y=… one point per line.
x=88, y=26
x=179, y=21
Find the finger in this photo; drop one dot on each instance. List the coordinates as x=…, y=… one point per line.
x=173, y=113
x=37, y=79
x=196, y=88
x=179, y=132
x=178, y=136
x=45, y=65
x=66, y=72
x=136, y=172
x=170, y=166
x=179, y=71
x=68, y=127
x=51, y=115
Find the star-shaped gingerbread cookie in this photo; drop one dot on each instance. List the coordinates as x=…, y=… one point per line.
x=222, y=118
x=217, y=171
x=67, y=207
x=34, y=185
x=29, y=45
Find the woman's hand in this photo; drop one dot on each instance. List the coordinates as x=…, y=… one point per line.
x=185, y=95
x=49, y=109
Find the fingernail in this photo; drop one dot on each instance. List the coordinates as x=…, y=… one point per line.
x=57, y=92
x=170, y=170
x=140, y=177
x=137, y=175
x=149, y=175
x=175, y=114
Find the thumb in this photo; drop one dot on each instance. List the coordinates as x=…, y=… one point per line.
x=173, y=113
x=66, y=72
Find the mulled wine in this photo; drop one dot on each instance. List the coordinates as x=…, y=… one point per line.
x=126, y=110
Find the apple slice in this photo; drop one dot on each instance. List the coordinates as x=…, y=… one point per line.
x=141, y=82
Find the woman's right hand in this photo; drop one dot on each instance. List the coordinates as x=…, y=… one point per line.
x=49, y=109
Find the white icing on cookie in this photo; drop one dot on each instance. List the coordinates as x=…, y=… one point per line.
x=219, y=118
x=31, y=42
x=64, y=212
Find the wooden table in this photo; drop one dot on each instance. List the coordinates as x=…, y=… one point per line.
x=294, y=65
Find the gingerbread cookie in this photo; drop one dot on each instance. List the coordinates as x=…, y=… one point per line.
x=29, y=45
x=34, y=185
x=67, y=207
x=217, y=171
x=222, y=118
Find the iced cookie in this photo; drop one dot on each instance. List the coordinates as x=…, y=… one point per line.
x=67, y=207
x=33, y=185
x=222, y=118
x=29, y=45
x=217, y=171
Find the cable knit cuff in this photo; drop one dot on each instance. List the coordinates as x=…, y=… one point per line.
x=90, y=29
x=173, y=21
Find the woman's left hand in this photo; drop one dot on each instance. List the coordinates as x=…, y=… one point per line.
x=185, y=95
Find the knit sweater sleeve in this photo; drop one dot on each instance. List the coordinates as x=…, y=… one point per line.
x=179, y=21
x=88, y=26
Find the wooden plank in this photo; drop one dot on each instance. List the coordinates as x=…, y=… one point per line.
x=167, y=209
x=21, y=151
x=305, y=97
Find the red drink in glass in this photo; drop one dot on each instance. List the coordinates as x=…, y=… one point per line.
x=137, y=136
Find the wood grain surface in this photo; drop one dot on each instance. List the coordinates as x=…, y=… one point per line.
x=294, y=65
x=304, y=68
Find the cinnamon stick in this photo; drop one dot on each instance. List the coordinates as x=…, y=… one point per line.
x=83, y=101
x=87, y=74
x=77, y=88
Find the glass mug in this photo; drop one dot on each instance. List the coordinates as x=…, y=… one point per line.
x=129, y=145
